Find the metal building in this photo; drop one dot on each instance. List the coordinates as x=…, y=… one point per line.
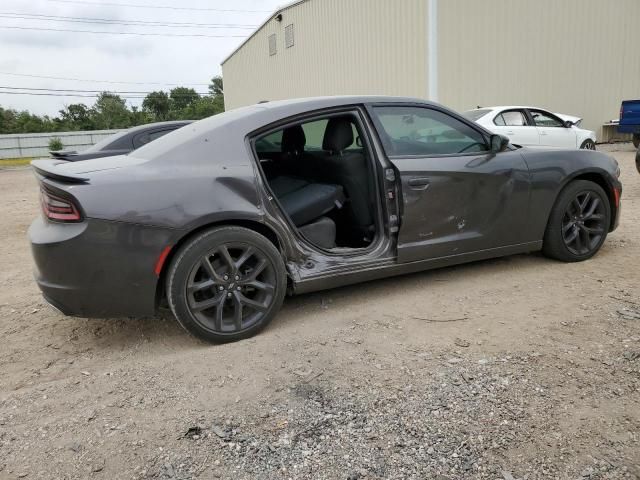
x=578, y=57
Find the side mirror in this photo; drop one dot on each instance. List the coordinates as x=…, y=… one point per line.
x=498, y=143
x=568, y=124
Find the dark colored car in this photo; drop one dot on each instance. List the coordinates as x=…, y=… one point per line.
x=122, y=143
x=303, y=195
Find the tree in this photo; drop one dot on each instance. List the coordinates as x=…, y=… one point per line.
x=215, y=88
x=202, y=108
x=76, y=116
x=157, y=103
x=139, y=117
x=182, y=97
x=110, y=111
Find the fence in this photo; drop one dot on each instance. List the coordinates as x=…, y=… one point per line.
x=37, y=144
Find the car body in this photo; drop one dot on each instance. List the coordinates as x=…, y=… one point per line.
x=532, y=126
x=630, y=120
x=282, y=184
x=123, y=142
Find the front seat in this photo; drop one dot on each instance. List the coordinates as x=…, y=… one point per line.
x=294, y=160
x=348, y=169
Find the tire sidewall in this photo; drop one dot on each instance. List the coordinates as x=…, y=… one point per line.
x=588, y=141
x=192, y=252
x=553, y=241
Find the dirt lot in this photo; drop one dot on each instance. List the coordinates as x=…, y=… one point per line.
x=519, y=367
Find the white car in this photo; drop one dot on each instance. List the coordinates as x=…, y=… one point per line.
x=530, y=126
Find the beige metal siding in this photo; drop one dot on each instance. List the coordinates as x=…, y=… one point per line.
x=341, y=47
x=578, y=57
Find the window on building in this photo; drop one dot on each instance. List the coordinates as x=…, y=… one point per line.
x=273, y=44
x=288, y=36
x=426, y=132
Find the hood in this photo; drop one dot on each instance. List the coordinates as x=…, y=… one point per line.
x=575, y=120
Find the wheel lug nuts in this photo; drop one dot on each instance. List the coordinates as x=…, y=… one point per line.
x=238, y=287
x=220, y=288
x=237, y=277
x=229, y=294
x=226, y=277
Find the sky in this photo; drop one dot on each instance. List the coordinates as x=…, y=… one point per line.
x=27, y=49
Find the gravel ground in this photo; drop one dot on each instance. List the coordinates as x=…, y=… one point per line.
x=512, y=368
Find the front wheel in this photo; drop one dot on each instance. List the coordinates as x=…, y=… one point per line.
x=588, y=144
x=578, y=223
x=226, y=284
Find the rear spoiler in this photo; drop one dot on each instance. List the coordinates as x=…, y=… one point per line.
x=47, y=168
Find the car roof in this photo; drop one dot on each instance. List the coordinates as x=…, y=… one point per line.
x=231, y=127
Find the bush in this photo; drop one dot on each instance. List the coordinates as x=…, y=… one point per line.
x=55, y=144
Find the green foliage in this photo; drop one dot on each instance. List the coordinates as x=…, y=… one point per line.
x=182, y=97
x=215, y=87
x=55, y=144
x=111, y=111
x=158, y=104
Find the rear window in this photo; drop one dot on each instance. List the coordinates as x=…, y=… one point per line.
x=106, y=142
x=476, y=114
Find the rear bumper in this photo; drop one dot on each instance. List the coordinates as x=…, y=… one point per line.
x=97, y=268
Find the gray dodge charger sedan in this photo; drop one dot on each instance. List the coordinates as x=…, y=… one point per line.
x=225, y=216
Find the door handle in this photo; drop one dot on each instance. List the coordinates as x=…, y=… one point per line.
x=419, y=183
x=510, y=132
x=542, y=132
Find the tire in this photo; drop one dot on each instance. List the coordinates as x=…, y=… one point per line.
x=591, y=222
x=588, y=144
x=226, y=284
x=636, y=140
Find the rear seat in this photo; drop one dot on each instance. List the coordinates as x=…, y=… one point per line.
x=307, y=203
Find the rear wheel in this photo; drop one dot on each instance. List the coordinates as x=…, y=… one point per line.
x=588, y=144
x=578, y=223
x=226, y=284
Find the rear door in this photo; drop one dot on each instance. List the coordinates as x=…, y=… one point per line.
x=552, y=131
x=515, y=125
x=457, y=197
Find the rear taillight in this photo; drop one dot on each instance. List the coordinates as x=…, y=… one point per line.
x=57, y=208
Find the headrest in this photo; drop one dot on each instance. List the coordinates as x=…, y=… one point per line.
x=293, y=140
x=338, y=134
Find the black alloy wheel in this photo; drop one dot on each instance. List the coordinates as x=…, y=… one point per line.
x=583, y=223
x=230, y=288
x=226, y=284
x=579, y=222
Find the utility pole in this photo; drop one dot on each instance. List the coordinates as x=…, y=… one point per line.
x=432, y=50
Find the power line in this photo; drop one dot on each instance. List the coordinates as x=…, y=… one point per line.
x=107, y=21
x=102, y=81
x=124, y=33
x=90, y=91
x=63, y=94
x=164, y=7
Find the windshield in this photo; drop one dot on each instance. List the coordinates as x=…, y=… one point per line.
x=105, y=142
x=476, y=114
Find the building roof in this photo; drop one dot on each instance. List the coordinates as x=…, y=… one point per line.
x=261, y=26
